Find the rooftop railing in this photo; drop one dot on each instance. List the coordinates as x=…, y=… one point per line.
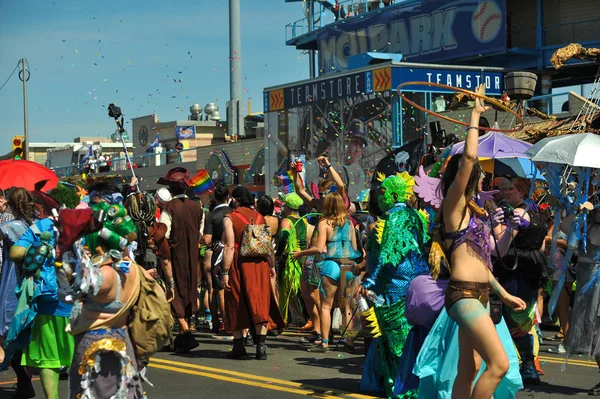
x=116, y=165
x=553, y=35
x=550, y=104
x=324, y=14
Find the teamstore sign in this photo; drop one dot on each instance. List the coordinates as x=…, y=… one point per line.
x=463, y=79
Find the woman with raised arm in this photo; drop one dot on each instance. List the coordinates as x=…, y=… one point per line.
x=323, y=186
x=337, y=240
x=469, y=244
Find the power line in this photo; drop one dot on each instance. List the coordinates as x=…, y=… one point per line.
x=11, y=74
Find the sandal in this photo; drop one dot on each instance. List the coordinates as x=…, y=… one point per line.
x=312, y=339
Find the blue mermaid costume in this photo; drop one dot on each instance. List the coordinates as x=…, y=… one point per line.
x=437, y=362
x=395, y=259
x=338, y=247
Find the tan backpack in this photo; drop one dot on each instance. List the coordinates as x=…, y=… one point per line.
x=150, y=320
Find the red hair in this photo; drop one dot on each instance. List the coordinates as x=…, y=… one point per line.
x=523, y=186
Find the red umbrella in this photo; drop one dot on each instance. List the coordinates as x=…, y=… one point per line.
x=21, y=173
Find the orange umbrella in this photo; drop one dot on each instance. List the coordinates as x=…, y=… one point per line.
x=21, y=173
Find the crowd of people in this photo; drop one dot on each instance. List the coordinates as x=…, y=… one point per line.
x=356, y=8
x=447, y=294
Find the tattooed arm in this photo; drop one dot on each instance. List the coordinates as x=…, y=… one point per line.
x=496, y=288
x=508, y=299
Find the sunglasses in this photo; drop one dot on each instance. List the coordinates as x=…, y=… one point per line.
x=322, y=195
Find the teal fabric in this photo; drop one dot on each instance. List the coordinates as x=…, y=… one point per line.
x=332, y=270
x=19, y=334
x=340, y=244
x=438, y=360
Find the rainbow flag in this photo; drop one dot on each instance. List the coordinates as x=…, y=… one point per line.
x=287, y=181
x=201, y=183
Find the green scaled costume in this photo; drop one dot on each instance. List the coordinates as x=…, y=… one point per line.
x=395, y=258
x=292, y=270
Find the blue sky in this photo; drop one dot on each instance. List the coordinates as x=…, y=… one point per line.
x=86, y=54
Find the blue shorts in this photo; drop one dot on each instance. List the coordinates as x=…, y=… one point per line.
x=331, y=269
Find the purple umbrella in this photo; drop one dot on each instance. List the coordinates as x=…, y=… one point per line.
x=494, y=145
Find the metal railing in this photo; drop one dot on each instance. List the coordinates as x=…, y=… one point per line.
x=120, y=164
x=549, y=104
x=324, y=14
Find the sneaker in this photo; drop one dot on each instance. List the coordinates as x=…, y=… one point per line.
x=559, y=349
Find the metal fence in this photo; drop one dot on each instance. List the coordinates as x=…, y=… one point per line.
x=116, y=165
x=549, y=104
x=324, y=14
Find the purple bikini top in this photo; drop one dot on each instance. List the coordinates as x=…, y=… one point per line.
x=477, y=236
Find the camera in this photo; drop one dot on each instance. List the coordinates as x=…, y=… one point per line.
x=114, y=111
x=508, y=210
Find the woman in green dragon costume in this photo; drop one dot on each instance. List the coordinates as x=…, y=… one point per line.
x=293, y=235
x=394, y=258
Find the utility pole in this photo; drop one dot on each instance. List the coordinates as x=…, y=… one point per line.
x=311, y=27
x=24, y=78
x=235, y=117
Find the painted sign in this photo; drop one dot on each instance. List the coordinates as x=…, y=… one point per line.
x=429, y=31
x=468, y=80
x=276, y=100
x=382, y=79
x=185, y=132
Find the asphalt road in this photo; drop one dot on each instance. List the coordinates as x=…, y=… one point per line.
x=292, y=372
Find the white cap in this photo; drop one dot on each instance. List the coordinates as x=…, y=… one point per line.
x=162, y=195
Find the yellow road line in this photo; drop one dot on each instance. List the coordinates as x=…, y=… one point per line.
x=574, y=361
x=261, y=378
x=572, y=364
x=244, y=382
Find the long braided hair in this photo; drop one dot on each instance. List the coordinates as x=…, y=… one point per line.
x=22, y=204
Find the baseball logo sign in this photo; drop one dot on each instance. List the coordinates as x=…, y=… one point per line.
x=486, y=21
